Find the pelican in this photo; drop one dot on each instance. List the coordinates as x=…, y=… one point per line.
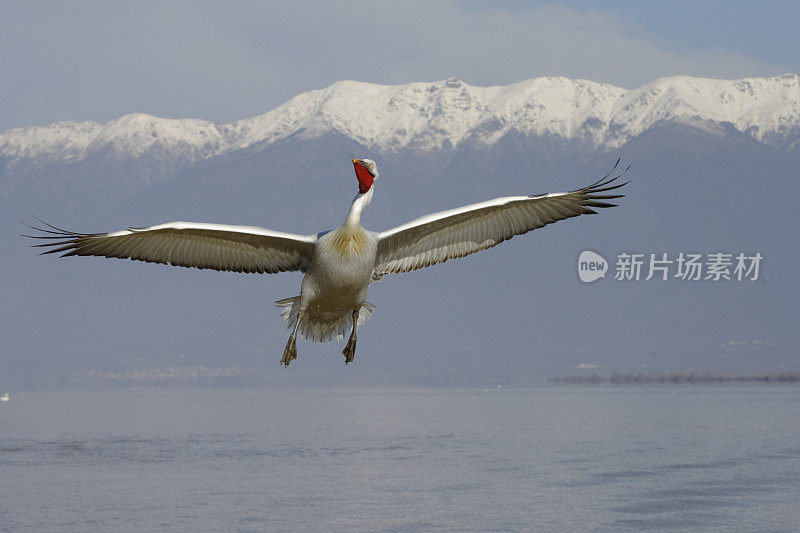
x=340, y=264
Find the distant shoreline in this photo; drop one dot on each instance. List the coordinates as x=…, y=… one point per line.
x=676, y=378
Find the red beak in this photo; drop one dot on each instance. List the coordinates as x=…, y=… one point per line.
x=363, y=175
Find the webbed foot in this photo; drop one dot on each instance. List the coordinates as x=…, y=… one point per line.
x=349, y=351
x=290, y=353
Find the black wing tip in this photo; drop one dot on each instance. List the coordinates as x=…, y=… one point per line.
x=592, y=203
x=605, y=183
x=52, y=227
x=54, y=230
x=61, y=240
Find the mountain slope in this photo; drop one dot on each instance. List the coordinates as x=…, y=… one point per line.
x=439, y=115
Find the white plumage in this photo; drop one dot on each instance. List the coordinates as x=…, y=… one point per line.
x=340, y=264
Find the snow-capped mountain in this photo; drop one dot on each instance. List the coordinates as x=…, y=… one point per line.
x=131, y=135
x=441, y=115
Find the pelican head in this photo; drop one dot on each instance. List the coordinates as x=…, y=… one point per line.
x=366, y=173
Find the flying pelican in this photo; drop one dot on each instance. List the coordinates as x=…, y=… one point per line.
x=340, y=264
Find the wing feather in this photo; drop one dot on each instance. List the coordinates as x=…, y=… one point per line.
x=189, y=244
x=459, y=232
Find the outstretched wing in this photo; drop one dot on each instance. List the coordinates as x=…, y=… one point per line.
x=189, y=244
x=458, y=232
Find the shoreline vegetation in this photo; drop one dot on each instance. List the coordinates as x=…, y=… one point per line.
x=676, y=378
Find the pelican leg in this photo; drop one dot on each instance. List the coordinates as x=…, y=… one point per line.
x=349, y=351
x=290, y=352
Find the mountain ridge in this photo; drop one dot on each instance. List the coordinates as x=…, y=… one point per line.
x=440, y=115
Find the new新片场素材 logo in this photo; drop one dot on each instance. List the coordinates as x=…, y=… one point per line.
x=683, y=266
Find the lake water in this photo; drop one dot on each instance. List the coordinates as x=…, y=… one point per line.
x=560, y=459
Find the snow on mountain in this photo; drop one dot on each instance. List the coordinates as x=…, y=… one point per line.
x=434, y=115
x=440, y=115
x=131, y=135
x=135, y=134
x=766, y=108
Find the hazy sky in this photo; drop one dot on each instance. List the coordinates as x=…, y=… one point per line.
x=225, y=61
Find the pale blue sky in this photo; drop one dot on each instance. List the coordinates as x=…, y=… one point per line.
x=100, y=60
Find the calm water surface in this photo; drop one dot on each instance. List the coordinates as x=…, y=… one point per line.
x=560, y=459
